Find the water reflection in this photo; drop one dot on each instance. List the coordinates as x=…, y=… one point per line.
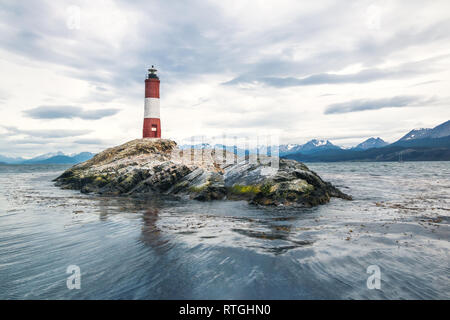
x=146, y=210
x=151, y=234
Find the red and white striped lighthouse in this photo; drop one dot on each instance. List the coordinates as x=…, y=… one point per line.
x=152, y=123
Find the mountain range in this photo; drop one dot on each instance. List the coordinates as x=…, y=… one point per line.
x=321, y=146
x=440, y=131
x=50, y=158
x=371, y=143
x=311, y=146
x=426, y=144
x=285, y=149
x=418, y=144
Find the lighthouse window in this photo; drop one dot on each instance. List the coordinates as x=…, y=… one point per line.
x=153, y=127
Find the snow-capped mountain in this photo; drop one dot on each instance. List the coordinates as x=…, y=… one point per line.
x=317, y=145
x=371, y=143
x=307, y=148
x=285, y=149
x=47, y=156
x=416, y=134
x=440, y=131
x=59, y=157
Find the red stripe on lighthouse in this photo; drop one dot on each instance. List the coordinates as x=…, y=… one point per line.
x=152, y=128
x=152, y=88
x=152, y=123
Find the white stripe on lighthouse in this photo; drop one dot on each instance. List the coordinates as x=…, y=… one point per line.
x=151, y=109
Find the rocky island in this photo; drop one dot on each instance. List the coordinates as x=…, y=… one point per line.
x=146, y=167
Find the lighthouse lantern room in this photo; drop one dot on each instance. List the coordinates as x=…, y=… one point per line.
x=152, y=122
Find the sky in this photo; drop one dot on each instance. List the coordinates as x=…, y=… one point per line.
x=72, y=73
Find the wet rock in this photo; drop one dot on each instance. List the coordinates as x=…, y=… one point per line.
x=156, y=166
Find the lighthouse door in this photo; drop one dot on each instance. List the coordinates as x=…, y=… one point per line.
x=154, y=130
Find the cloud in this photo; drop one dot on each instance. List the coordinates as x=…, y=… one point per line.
x=68, y=112
x=366, y=75
x=375, y=104
x=425, y=83
x=199, y=38
x=199, y=45
x=89, y=141
x=42, y=133
x=268, y=120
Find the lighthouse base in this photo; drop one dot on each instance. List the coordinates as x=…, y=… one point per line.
x=152, y=128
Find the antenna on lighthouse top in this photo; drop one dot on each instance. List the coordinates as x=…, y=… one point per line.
x=152, y=73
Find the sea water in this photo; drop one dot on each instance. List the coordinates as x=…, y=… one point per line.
x=159, y=248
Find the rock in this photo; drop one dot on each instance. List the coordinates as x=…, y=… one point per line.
x=145, y=167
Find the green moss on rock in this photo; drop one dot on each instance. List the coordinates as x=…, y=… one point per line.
x=241, y=189
x=198, y=189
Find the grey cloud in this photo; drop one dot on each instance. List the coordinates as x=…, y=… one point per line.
x=375, y=104
x=424, y=83
x=89, y=141
x=326, y=78
x=181, y=46
x=368, y=52
x=200, y=101
x=196, y=38
x=367, y=75
x=29, y=141
x=267, y=120
x=55, y=133
x=68, y=112
x=327, y=94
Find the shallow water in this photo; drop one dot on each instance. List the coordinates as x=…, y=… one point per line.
x=165, y=249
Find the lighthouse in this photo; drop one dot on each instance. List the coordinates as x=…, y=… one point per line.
x=152, y=122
